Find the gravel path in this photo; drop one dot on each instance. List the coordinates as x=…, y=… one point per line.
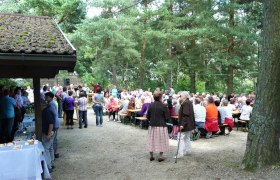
x=118, y=151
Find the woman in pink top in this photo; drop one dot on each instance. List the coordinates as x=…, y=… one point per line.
x=112, y=107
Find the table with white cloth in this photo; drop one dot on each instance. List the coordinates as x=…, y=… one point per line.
x=28, y=123
x=23, y=163
x=21, y=135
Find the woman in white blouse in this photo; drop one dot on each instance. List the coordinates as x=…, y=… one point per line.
x=246, y=111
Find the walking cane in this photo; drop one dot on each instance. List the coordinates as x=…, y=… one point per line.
x=178, y=144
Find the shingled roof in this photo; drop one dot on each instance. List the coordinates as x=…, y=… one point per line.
x=32, y=35
x=33, y=46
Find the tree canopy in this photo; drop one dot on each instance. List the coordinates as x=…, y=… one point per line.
x=207, y=45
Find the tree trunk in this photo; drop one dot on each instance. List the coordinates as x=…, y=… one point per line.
x=169, y=79
x=230, y=79
x=114, y=69
x=142, y=70
x=178, y=71
x=192, y=77
x=192, y=70
x=231, y=48
x=263, y=138
x=143, y=48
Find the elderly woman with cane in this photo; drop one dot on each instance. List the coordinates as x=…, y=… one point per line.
x=158, y=139
x=187, y=124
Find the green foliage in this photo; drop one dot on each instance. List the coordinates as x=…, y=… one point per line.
x=62, y=74
x=7, y=83
x=161, y=44
x=88, y=78
x=67, y=13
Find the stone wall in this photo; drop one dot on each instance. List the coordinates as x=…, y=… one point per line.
x=74, y=79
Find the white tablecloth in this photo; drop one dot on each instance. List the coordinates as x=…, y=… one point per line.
x=28, y=122
x=22, y=164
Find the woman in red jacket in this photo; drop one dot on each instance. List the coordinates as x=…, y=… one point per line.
x=211, y=123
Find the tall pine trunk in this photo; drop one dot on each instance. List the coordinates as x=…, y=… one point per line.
x=231, y=48
x=170, y=78
x=193, y=81
x=230, y=79
x=143, y=48
x=264, y=133
x=192, y=70
x=114, y=69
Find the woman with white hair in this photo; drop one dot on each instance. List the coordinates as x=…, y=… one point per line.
x=124, y=104
x=228, y=115
x=186, y=123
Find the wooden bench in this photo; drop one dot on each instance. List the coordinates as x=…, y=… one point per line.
x=242, y=122
x=124, y=118
x=142, y=120
x=169, y=127
x=224, y=126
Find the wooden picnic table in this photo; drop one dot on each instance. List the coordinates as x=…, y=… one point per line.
x=118, y=106
x=236, y=112
x=143, y=121
x=134, y=111
x=175, y=117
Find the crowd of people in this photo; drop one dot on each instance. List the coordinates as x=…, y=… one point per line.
x=210, y=114
x=205, y=112
x=13, y=105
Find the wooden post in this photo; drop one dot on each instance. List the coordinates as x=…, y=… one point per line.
x=37, y=106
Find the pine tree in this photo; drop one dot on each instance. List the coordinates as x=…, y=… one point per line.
x=263, y=138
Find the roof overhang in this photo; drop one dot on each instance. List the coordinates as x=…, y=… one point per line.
x=14, y=65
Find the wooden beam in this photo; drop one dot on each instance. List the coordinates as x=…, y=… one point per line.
x=37, y=106
x=27, y=72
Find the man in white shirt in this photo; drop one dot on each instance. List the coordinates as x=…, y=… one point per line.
x=30, y=94
x=246, y=111
x=86, y=88
x=199, y=114
x=124, y=103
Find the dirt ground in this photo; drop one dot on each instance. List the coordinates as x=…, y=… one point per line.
x=118, y=151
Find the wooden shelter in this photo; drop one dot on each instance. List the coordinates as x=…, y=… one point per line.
x=33, y=47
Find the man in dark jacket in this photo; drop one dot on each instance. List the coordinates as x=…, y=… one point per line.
x=186, y=123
